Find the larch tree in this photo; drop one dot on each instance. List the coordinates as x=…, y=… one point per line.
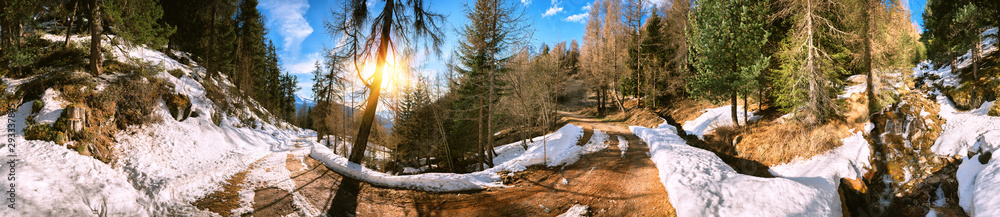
x=727, y=42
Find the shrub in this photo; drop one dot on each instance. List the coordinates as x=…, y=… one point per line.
x=36, y=106
x=135, y=99
x=64, y=56
x=44, y=132
x=177, y=73
x=995, y=110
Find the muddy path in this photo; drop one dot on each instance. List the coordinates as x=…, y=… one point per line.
x=610, y=183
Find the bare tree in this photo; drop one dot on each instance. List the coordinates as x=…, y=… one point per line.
x=398, y=22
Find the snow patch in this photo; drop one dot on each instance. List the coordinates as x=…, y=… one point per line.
x=623, y=145
x=701, y=184
x=556, y=149
x=52, y=107
x=714, y=118
x=576, y=211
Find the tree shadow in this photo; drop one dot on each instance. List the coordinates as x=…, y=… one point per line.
x=345, y=201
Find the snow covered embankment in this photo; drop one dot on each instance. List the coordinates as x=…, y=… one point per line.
x=699, y=183
x=560, y=149
x=714, y=118
x=968, y=132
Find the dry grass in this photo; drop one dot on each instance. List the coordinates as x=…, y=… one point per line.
x=775, y=143
x=686, y=109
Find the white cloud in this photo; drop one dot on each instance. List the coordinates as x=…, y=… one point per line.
x=579, y=18
x=304, y=66
x=526, y=2
x=552, y=11
x=288, y=17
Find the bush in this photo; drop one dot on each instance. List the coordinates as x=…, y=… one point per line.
x=995, y=110
x=36, y=106
x=135, y=99
x=64, y=56
x=44, y=132
x=177, y=73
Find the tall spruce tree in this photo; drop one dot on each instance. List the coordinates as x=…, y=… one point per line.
x=727, y=42
x=496, y=28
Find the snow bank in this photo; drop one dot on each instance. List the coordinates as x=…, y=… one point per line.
x=51, y=180
x=850, y=160
x=987, y=190
x=714, y=118
x=560, y=149
x=701, y=184
x=52, y=107
x=969, y=132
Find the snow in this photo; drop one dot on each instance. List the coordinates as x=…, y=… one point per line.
x=966, y=176
x=560, y=150
x=714, y=118
x=968, y=133
x=857, y=88
x=52, y=107
x=81, y=185
x=850, y=161
x=701, y=184
x=576, y=211
x=986, y=191
x=623, y=145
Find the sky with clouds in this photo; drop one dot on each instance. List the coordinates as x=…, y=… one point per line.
x=296, y=27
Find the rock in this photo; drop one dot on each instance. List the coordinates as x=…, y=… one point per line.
x=179, y=106
x=856, y=185
x=985, y=157
x=933, y=180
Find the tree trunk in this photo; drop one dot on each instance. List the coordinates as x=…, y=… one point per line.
x=479, y=132
x=732, y=109
x=489, y=122
x=746, y=107
x=361, y=141
x=869, y=57
x=95, y=37
x=69, y=29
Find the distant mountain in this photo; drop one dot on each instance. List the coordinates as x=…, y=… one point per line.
x=302, y=100
x=385, y=118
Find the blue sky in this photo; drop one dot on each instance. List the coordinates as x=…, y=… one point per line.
x=296, y=27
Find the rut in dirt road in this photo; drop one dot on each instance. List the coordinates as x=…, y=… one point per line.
x=609, y=182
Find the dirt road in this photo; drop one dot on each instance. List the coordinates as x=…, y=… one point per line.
x=610, y=183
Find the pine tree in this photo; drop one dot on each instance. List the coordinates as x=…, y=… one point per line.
x=495, y=28
x=807, y=74
x=727, y=42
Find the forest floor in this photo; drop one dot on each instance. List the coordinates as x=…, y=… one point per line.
x=609, y=182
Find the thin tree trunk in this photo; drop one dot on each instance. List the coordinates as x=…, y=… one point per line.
x=479, y=132
x=732, y=109
x=489, y=122
x=869, y=57
x=69, y=29
x=95, y=37
x=361, y=141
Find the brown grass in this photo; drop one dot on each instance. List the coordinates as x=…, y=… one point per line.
x=775, y=143
x=686, y=109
